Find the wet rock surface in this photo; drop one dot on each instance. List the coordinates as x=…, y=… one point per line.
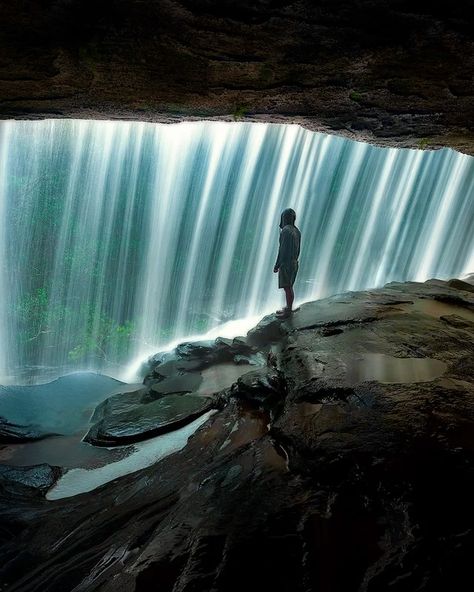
x=348, y=483
x=262, y=387
x=27, y=481
x=145, y=420
x=192, y=357
x=392, y=72
x=180, y=385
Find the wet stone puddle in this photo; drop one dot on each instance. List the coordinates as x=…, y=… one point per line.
x=221, y=376
x=437, y=309
x=89, y=466
x=391, y=370
x=70, y=452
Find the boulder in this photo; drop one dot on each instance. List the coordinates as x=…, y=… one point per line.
x=28, y=481
x=262, y=386
x=268, y=330
x=142, y=421
x=257, y=358
x=194, y=356
x=119, y=403
x=197, y=349
x=461, y=285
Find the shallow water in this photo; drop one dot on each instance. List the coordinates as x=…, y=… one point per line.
x=63, y=406
x=437, y=309
x=144, y=454
x=391, y=370
x=221, y=376
x=63, y=451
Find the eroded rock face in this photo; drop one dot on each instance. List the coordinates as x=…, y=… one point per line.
x=360, y=477
x=392, y=72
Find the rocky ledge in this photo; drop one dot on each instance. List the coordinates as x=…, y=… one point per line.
x=391, y=72
x=345, y=463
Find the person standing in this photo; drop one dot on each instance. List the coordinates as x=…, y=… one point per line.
x=287, y=261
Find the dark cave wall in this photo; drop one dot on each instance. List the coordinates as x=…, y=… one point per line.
x=392, y=72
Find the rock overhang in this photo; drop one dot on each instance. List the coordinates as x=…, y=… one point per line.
x=394, y=74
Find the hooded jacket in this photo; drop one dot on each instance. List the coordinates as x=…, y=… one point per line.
x=290, y=240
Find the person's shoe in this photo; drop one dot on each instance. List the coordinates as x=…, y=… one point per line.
x=283, y=313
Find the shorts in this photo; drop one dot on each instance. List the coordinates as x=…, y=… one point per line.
x=287, y=275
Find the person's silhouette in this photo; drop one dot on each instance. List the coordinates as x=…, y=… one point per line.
x=287, y=261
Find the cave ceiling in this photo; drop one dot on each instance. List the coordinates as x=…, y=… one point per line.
x=391, y=72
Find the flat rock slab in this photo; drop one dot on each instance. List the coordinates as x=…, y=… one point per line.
x=63, y=406
x=143, y=421
x=329, y=313
x=183, y=383
x=356, y=308
x=120, y=402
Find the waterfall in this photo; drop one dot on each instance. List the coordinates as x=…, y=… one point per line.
x=117, y=238
x=4, y=331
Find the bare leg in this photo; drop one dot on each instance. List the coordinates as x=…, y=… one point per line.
x=290, y=296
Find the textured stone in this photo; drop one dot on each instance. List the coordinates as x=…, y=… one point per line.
x=348, y=484
x=268, y=330
x=391, y=72
x=27, y=481
x=260, y=386
x=191, y=357
x=182, y=383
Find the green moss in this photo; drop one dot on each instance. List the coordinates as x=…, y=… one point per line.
x=355, y=96
x=423, y=143
x=240, y=112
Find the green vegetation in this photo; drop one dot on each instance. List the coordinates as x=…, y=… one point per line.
x=90, y=334
x=32, y=314
x=423, y=143
x=240, y=112
x=103, y=338
x=200, y=325
x=355, y=96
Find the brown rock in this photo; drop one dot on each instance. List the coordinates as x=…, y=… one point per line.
x=390, y=72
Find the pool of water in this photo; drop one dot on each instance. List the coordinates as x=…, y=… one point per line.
x=68, y=452
x=142, y=455
x=221, y=376
x=391, y=370
x=434, y=308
